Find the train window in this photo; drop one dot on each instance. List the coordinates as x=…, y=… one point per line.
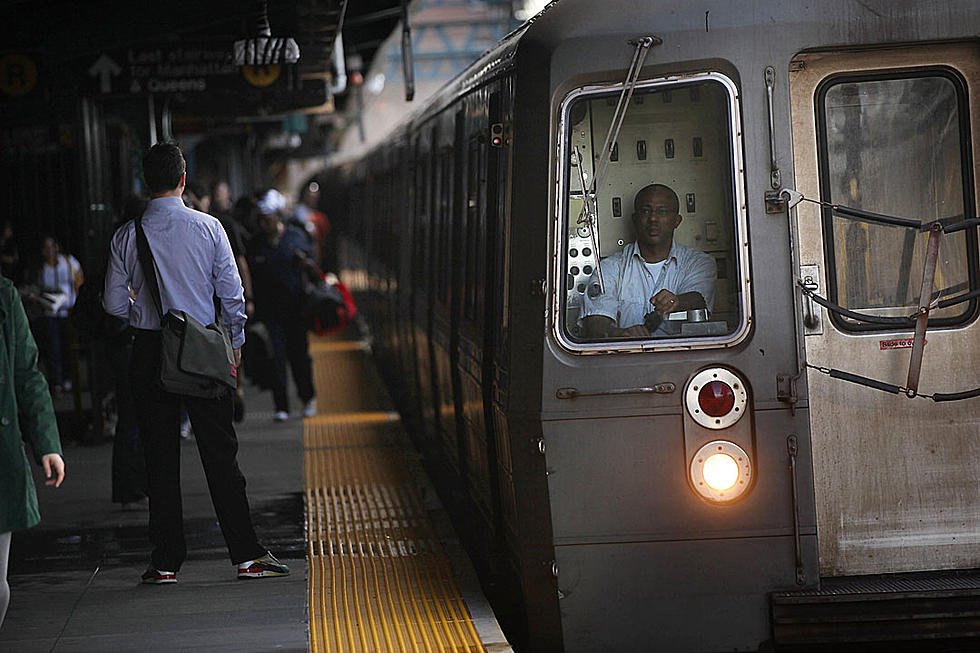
x=898, y=144
x=444, y=181
x=472, y=243
x=423, y=174
x=654, y=257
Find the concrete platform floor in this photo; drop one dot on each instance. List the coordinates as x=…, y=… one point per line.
x=74, y=578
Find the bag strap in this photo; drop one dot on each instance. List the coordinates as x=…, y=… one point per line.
x=311, y=270
x=146, y=261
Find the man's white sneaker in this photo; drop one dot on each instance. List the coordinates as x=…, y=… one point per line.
x=309, y=410
x=263, y=567
x=280, y=416
x=153, y=576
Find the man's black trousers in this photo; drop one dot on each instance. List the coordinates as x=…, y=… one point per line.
x=158, y=415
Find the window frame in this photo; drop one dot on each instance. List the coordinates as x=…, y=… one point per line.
x=966, y=172
x=739, y=249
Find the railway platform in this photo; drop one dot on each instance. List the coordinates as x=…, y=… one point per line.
x=340, y=497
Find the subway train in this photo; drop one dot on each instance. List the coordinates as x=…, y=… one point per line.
x=789, y=458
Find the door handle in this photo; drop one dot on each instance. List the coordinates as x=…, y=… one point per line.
x=810, y=279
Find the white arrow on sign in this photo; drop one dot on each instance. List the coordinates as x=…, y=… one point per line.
x=105, y=69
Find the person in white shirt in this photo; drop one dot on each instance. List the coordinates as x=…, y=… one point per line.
x=57, y=283
x=653, y=275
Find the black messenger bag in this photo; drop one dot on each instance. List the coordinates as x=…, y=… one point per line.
x=195, y=360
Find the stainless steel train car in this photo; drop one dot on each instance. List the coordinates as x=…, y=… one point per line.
x=783, y=449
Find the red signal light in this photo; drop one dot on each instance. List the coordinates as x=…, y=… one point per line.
x=497, y=134
x=716, y=398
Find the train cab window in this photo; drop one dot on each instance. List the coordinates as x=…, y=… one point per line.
x=896, y=144
x=654, y=257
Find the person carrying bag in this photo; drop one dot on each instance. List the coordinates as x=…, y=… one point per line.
x=195, y=360
x=327, y=305
x=178, y=363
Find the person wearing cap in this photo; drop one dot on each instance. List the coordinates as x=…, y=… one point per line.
x=279, y=260
x=651, y=277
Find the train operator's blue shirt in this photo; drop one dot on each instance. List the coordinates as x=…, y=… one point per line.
x=194, y=264
x=630, y=283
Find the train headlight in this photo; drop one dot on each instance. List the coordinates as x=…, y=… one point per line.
x=721, y=471
x=715, y=398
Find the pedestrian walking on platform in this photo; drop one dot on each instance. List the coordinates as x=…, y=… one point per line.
x=54, y=290
x=194, y=265
x=27, y=417
x=278, y=263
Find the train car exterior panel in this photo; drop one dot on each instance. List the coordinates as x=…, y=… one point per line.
x=658, y=614
x=639, y=489
x=581, y=453
x=920, y=510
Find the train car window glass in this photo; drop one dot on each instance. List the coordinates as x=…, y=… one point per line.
x=444, y=185
x=429, y=245
x=421, y=219
x=472, y=214
x=483, y=236
x=664, y=263
x=896, y=144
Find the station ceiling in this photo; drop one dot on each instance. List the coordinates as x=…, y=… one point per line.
x=64, y=31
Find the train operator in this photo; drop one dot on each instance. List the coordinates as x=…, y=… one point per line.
x=650, y=277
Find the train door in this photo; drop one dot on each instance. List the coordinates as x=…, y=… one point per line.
x=497, y=371
x=409, y=177
x=444, y=278
x=471, y=343
x=889, y=132
x=418, y=297
x=424, y=284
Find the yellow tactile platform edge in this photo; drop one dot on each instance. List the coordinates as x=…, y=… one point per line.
x=379, y=580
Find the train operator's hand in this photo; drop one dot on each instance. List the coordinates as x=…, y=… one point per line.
x=666, y=302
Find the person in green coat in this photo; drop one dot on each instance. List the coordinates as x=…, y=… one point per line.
x=26, y=416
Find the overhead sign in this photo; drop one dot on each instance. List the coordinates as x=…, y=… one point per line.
x=181, y=69
x=205, y=75
x=104, y=69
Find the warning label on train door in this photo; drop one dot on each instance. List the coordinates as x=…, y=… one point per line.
x=899, y=343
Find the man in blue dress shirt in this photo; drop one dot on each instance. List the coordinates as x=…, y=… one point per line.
x=194, y=266
x=651, y=275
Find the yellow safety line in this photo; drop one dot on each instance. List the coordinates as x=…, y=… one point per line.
x=379, y=580
x=335, y=345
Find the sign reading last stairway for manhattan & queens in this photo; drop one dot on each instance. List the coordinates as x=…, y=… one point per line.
x=199, y=69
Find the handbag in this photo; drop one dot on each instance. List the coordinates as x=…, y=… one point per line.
x=195, y=360
x=327, y=304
